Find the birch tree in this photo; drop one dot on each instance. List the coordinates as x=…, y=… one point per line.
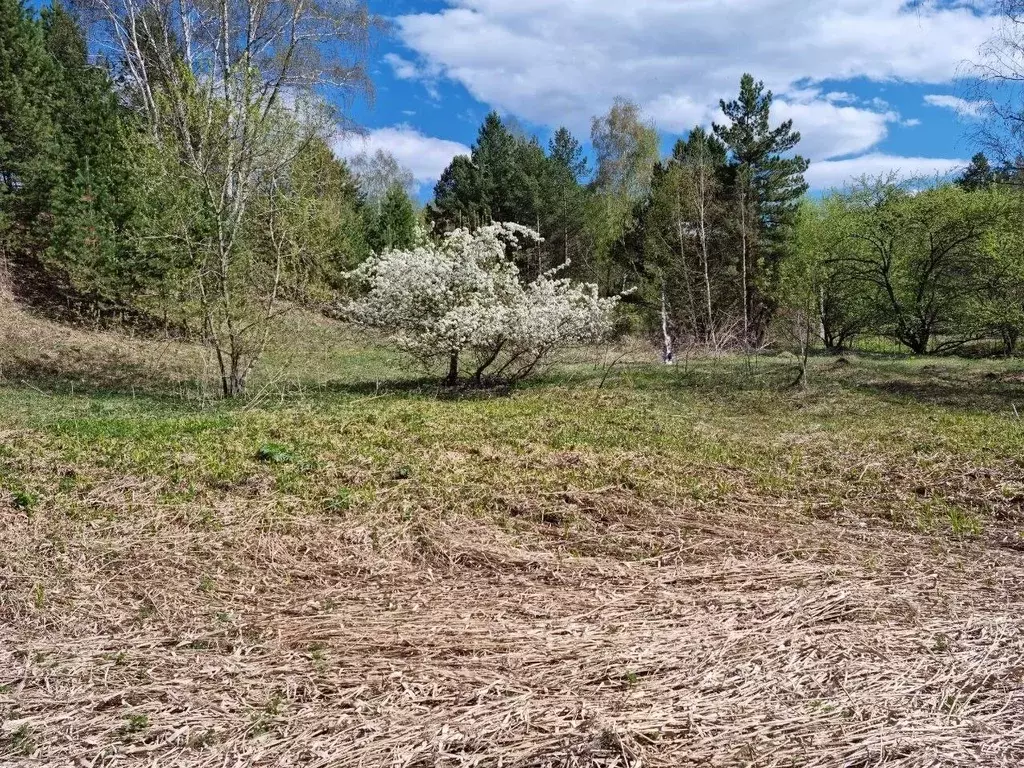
x=231, y=88
x=998, y=79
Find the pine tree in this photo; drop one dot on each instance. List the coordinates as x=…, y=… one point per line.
x=494, y=154
x=458, y=197
x=564, y=202
x=84, y=242
x=87, y=114
x=768, y=184
x=92, y=200
x=566, y=154
x=977, y=175
x=29, y=164
x=502, y=180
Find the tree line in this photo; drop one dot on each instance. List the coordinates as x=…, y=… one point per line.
x=718, y=243
x=697, y=236
x=186, y=180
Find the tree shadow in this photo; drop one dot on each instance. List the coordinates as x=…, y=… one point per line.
x=424, y=386
x=998, y=394
x=124, y=378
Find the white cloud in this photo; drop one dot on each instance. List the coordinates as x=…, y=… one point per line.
x=840, y=97
x=425, y=156
x=562, y=62
x=960, y=106
x=679, y=113
x=408, y=70
x=836, y=173
x=828, y=130
x=403, y=68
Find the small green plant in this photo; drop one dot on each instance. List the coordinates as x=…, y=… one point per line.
x=23, y=500
x=340, y=502
x=963, y=523
x=22, y=742
x=317, y=651
x=404, y=472
x=274, y=453
x=39, y=595
x=135, y=723
x=206, y=583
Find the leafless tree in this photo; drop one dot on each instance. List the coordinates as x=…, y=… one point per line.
x=997, y=83
x=378, y=173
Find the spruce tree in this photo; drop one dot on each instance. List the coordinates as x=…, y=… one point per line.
x=394, y=227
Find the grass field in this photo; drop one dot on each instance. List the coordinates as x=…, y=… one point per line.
x=641, y=566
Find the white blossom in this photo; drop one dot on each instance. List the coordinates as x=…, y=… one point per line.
x=463, y=302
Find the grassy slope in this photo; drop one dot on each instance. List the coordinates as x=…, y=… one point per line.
x=686, y=565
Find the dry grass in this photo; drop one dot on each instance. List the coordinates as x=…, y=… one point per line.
x=34, y=349
x=667, y=571
x=301, y=639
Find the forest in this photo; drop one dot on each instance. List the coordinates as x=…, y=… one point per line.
x=609, y=450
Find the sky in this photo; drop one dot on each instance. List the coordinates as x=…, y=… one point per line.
x=872, y=85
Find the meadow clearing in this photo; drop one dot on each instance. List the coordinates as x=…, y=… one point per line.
x=615, y=565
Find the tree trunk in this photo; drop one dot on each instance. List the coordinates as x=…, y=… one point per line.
x=453, y=369
x=232, y=375
x=702, y=202
x=666, y=339
x=1010, y=336
x=743, y=237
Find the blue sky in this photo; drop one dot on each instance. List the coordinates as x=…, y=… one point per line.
x=871, y=84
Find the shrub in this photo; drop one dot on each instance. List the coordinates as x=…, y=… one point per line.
x=461, y=303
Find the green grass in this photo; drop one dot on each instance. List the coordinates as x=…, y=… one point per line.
x=886, y=438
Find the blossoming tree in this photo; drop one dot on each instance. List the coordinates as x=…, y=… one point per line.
x=461, y=302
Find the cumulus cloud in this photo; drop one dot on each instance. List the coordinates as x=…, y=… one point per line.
x=958, y=105
x=830, y=174
x=561, y=63
x=425, y=156
x=828, y=130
